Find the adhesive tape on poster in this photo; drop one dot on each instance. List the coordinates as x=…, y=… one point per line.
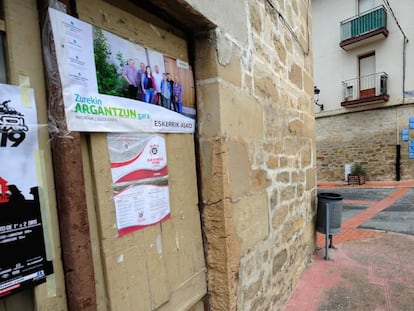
x=51, y=285
x=46, y=218
x=44, y=204
x=24, y=83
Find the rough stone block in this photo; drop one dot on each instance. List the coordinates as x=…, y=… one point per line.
x=219, y=291
x=295, y=177
x=308, y=84
x=288, y=231
x=278, y=261
x=309, y=126
x=274, y=199
x=206, y=65
x=288, y=43
x=259, y=303
x=259, y=181
x=309, y=233
x=306, y=157
x=296, y=127
x=217, y=254
x=262, y=52
x=254, y=288
x=265, y=87
x=310, y=179
x=279, y=216
x=239, y=169
x=290, y=146
x=300, y=190
x=216, y=216
x=273, y=162
x=299, y=223
x=248, y=83
x=306, y=104
x=283, y=177
x=284, y=162
x=251, y=221
x=208, y=96
x=255, y=17
x=223, y=260
x=278, y=146
x=217, y=11
x=279, y=47
x=214, y=173
x=231, y=72
x=288, y=193
x=295, y=75
x=242, y=113
x=268, y=148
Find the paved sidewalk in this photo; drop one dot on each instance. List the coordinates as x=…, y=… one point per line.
x=373, y=267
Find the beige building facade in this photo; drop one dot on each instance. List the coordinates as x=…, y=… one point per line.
x=363, y=55
x=242, y=187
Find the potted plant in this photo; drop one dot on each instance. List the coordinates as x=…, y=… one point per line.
x=358, y=174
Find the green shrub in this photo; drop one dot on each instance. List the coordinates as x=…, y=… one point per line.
x=109, y=81
x=358, y=169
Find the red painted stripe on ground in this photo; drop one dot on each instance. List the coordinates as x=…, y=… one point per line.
x=377, y=207
x=349, y=228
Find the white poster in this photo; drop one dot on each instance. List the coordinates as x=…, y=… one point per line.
x=96, y=94
x=23, y=260
x=140, y=180
x=18, y=141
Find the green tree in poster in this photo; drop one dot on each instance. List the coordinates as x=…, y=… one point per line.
x=109, y=82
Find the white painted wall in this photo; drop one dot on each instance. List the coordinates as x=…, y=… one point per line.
x=332, y=64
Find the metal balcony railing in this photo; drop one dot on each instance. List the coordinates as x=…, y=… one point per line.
x=363, y=23
x=367, y=87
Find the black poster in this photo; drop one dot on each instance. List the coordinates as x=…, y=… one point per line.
x=23, y=260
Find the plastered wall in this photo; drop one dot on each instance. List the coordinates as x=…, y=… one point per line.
x=368, y=133
x=334, y=65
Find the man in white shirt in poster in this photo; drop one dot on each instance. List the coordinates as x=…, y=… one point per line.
x=157, y=78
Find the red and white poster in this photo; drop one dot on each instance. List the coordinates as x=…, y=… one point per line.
x=140, y=180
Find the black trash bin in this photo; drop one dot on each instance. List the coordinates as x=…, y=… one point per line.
x=335, y=202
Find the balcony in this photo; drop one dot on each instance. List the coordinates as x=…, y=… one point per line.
x=364, y=28
x=365, y=90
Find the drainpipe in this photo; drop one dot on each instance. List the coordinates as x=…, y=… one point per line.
x=398, y=146
x=398, y=163
x=69, y=182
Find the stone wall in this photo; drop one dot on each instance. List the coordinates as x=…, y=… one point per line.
x=257, y=156
x=366, y=137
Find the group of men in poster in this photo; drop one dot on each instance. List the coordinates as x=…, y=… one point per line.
x=153, y=87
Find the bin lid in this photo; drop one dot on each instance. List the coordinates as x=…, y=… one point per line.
x=330, y=196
